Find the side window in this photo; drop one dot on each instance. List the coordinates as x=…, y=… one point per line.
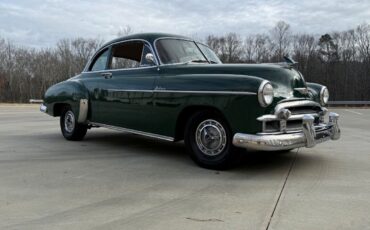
x=100, y=62
x=127, y=55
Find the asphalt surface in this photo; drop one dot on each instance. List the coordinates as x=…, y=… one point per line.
x=114, y=180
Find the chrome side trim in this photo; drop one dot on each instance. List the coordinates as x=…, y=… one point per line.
x=184, y=91
x=205, y=92
x=166, y=138
x=84, y=107
x=132, y=90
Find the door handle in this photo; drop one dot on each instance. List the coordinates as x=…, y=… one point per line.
x=106, y=75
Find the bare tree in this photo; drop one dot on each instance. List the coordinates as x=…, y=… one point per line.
x=261, y=46
x=249, y=49
x=233, y=45
x=124, y=31
x=280, y=39
x=229, y=47
x=340, y=60
x=328, y=50
x=363, y=41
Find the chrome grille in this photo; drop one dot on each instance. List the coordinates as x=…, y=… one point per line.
x=272, y=124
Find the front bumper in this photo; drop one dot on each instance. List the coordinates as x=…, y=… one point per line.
x=309, y=136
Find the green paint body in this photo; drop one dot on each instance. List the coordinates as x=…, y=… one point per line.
x=137, y=98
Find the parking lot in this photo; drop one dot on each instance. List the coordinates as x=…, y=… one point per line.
x=114, y=180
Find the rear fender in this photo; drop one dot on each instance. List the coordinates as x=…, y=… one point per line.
x=71, y=93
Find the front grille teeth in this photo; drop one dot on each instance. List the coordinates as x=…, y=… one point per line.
x=275, y=123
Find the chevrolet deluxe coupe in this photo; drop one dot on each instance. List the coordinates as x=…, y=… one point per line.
x=174, y=88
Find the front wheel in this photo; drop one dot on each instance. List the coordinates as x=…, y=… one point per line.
x=71, y=130
x=209, y=141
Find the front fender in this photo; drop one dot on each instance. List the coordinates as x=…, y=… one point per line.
x=237, y=98
x=70, y=92
x=314, y=91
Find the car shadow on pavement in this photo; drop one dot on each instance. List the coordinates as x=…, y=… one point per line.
x=177, y=154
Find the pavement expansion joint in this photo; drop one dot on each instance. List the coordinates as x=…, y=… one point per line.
x=282, y=189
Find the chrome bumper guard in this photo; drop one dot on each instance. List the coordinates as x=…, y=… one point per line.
x=308, y=137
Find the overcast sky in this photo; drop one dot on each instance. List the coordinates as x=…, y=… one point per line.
x=41, y=23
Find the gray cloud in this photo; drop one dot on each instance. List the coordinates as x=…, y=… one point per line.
x=41, y=23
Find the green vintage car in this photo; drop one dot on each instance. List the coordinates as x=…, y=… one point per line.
x=173, y=88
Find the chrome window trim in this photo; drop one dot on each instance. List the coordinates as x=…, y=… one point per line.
x=185, y=91
x=86, y=69
x=126, y=69
x=174, y=38
x=153, y=135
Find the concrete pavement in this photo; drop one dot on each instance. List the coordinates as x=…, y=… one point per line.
x=114, y=180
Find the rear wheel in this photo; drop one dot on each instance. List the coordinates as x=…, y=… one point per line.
x=71, y=130
x=209, y=141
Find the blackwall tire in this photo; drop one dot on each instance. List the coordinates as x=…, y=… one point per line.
x=208, y=140
x=71, y=130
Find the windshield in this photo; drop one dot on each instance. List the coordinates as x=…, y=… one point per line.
x=210, y=55
x=172, y=51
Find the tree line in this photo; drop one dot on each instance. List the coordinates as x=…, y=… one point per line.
x=339, y=60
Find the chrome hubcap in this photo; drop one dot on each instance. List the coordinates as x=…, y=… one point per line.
x=210, y=137
x=69, y=121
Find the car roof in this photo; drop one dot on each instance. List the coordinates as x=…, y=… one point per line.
x=150, y=37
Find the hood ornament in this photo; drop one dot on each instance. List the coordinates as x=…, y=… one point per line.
x=290, y=61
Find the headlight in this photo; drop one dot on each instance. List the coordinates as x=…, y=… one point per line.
x=324, y=95
x=265, y=93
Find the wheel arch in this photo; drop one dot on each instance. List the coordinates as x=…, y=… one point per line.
x=58, y=108
x=187, y=112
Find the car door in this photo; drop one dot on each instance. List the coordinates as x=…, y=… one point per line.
x=92, y=79
x=126, y=91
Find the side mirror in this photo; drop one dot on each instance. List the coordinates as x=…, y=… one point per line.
x=149, y=57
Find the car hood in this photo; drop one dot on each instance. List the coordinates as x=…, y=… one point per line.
x=284, y=79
